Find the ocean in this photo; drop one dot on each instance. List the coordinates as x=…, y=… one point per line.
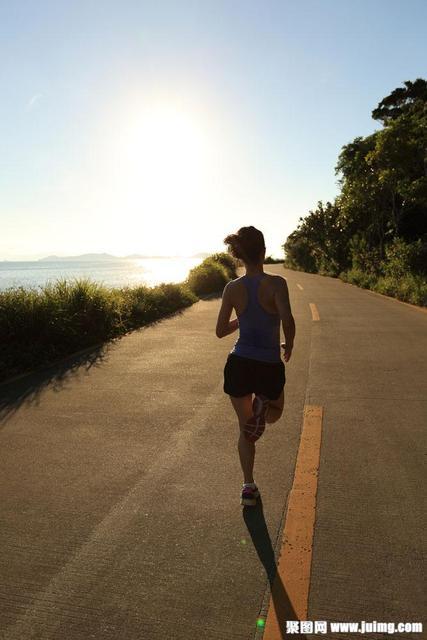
x=113, y=273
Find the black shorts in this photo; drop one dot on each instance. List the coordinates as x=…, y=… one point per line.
x=243, y=376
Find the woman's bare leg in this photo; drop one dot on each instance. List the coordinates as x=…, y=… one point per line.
x=243, y=409
x=275, y=408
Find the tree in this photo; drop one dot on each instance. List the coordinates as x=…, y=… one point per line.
x=383, y=181
x=402, y=101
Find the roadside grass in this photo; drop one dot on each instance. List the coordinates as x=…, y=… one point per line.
x=401, y=273
x=40, y=325
x=408, y=287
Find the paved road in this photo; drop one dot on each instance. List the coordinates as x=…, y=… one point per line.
x=120, y=482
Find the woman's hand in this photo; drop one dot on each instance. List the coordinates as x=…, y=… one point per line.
x=288, y=351
x=233, y=325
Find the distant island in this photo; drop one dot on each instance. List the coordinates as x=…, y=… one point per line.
x=85, y=257
x=96, y=257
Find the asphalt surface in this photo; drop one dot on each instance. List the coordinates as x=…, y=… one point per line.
x=120, y=480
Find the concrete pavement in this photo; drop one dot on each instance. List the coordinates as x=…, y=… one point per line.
x=120, y=480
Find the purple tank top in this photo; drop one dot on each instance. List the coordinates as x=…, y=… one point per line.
x=259, y=330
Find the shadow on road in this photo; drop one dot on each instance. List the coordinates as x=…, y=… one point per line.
x=29, y=388
x=257, y=527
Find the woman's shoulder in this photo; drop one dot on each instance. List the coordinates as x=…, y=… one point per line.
x=236, y=281
x=274, y=278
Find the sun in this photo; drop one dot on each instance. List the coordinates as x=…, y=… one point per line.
x=162, y=158
x=170, y=140
x=159, y=172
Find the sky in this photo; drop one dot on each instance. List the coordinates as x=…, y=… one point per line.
x=160, y=127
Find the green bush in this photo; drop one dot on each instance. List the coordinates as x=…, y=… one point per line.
x=290, y=264
x=144, y=304
x=271, y=260
x=208, y=277
x=298, y=254
x=227, y=261
x=358, y=277
x=409, y=288
x=364, y=257
x=328, y=267
x=397, y=259
x=212, y=274
x=38, y=326
x=418, y=257
x=403, y=258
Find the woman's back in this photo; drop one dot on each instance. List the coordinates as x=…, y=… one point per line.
x=259, y=322
x=266, y=290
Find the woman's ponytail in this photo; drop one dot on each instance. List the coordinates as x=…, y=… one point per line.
x=247, y=244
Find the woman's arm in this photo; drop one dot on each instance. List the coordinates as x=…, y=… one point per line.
x=288, y=323
x=224, y=325
x=232, y=326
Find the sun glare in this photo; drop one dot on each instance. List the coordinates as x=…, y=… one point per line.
x=160, y=173
x=162, y=159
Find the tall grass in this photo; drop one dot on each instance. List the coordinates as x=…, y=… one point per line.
x=40, y=325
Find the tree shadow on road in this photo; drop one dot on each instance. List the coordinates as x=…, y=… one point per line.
x=257, y=527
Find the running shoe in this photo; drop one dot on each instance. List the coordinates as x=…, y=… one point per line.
x=249, y=496
x=255, y=426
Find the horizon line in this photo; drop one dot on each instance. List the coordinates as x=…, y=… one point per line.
x=101, y=253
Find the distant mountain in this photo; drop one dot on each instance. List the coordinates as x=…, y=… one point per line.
x=86, y=257
x=134, y=256
x=96, y=257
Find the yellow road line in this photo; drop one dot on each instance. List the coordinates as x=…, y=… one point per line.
x=292, y=580
x=300, y=287
x=314, y=312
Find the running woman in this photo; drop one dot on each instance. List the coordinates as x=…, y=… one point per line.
x=254, y=373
